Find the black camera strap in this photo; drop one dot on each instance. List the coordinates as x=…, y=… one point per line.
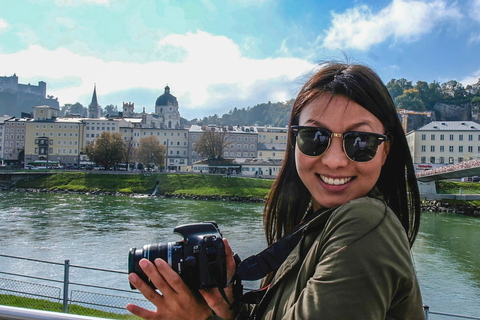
x=258, y=266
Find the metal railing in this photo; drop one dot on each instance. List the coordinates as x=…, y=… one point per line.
x=61, y=292
x=69, y=293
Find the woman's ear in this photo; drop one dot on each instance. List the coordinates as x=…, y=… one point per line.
x=386, y=150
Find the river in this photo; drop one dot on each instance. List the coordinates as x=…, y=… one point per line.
x=97, y=231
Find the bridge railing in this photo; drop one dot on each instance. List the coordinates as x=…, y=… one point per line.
x=450, y=168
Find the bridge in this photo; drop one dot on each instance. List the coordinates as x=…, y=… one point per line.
x=452, y=171
x=426, y=179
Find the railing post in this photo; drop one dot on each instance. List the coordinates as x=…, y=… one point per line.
x=65, y=285
x=426, y=309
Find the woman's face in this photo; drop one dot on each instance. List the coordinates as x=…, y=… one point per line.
x=332, y=178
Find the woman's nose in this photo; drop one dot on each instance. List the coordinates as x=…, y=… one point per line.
x=335, y=157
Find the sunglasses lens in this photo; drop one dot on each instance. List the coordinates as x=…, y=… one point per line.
x=313, y=142
x=361, y=147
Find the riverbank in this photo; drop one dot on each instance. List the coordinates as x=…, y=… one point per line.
x=183, y=186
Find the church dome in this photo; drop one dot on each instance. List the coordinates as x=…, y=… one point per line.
x=166, y=99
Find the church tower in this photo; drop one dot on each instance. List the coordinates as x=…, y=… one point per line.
x=94, y=108
x=166, y=107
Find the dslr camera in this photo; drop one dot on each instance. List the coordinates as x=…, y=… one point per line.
x=199, y=258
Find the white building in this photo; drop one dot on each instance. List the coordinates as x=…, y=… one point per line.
x=444, y=142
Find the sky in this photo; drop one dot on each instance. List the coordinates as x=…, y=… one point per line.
x=216, y=55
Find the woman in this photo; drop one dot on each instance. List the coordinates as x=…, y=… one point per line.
x=361, y=205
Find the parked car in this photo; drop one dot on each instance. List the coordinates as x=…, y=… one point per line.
x=30, y=167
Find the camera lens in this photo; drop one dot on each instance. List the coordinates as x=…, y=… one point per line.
x=171, y=252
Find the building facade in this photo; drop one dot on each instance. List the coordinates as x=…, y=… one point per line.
x=445, y=142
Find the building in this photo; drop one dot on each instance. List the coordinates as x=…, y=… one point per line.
x=272, y=142
x=14, y=133
x=53, y=139
x=444, y=142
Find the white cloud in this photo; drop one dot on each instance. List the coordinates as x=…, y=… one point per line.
x=210, y=63
x=3, y=25
x=475, y=10
x=360, y=28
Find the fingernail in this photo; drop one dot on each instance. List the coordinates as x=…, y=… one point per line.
x=143, y=263
x=158, y=261
x=132, y=277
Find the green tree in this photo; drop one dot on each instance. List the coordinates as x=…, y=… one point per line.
x=410, y=100
x=212, y=142
x=150, y=150
x=76, y=108
x=107, y=150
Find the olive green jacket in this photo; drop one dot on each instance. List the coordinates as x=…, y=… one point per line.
x=358, y=266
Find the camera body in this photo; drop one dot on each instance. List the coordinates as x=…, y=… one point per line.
x=199, y=258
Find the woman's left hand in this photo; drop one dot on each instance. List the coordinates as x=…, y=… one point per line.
x=176, y=300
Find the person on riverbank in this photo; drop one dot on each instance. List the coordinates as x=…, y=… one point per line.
x=359, y=208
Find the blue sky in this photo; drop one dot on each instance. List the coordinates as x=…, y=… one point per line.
x=217, y=55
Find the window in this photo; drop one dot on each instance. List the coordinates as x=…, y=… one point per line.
x=460, y=137
x=423, y=159
x=442, y=148
x=432, y=148
x=470, y=148
x=451, y=137
x=424, y=137
x=424, y=148
x=450, y=149
x=432, y=137
x=432, y=159
x=460, y=148
x=441, y=160
x=470, y=137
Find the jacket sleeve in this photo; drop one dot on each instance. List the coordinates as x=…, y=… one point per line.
x=361, y=269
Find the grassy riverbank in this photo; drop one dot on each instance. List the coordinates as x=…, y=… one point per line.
x=45, y=305
x=188, y=185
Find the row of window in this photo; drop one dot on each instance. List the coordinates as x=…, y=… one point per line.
x=441, y=160
x=451, y=137
x=450, y=149
x=43, y=151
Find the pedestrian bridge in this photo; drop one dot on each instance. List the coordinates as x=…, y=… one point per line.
x=453, y=171
x=426, y=180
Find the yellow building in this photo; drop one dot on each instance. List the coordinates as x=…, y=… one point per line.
x=54, y=139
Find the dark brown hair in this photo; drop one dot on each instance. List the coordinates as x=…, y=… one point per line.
x=289, y=198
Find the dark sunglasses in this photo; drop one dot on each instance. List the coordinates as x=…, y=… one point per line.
x=358, y=146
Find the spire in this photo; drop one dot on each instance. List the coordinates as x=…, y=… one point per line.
x=94, y=108
x=94, y=97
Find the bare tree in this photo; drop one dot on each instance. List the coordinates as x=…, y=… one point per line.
x=212, y=142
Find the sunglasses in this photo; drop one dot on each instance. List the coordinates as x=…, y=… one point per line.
x=358, y=146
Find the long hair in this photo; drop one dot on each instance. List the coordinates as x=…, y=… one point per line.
x=289, y=198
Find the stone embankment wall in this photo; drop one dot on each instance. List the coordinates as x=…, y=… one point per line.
x=439, y=206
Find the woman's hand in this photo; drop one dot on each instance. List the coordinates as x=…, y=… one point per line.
x=176, y=300
x=213, y=297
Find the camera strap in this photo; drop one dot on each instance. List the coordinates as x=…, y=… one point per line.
x=258, y=266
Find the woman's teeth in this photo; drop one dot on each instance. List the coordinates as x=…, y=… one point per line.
x=335, y=182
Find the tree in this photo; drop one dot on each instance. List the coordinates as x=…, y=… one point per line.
x=130, y=151
x=76, y=108
x=151, y=151
x=212, y=143
x=110, y=110
x=107, y=150
x=410, y=100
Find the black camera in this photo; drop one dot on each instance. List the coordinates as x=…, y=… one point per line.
x=199, y=258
